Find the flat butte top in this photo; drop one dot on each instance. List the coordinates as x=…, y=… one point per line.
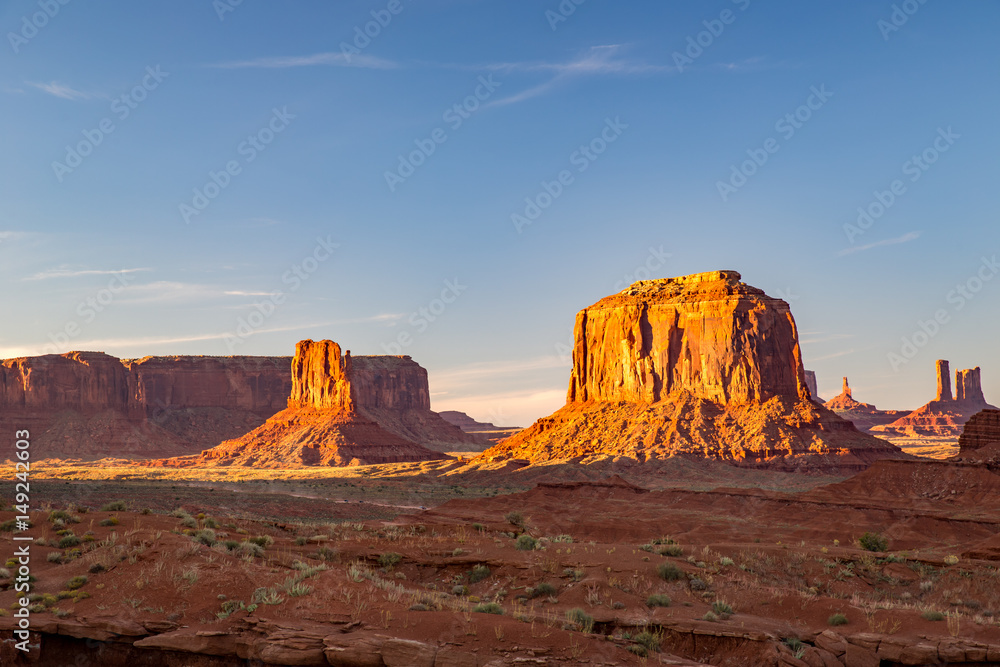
x=697, y=287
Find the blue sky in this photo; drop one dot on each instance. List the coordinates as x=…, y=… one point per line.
x=303, y=235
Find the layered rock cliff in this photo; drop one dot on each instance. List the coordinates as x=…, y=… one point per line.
x=91, y=405
x=702, y=365
x=945, y=416
x=982, y=430
x=342, y=411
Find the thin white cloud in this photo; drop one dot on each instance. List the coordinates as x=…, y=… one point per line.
x=66, y=272
x=60, y=90
x=905, y=238
x=598, y=60
x=329, y=58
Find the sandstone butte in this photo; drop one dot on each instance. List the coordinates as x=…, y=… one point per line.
x=865, y=416
x=700, y=366
x=342, y=411
x=947, y=413
x=90, y=405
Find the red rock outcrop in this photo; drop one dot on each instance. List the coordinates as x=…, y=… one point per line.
x=341, y=411
x=91, y=405
x=944, y=416
x=701, y=365
x=863, y=415
x=982, y=430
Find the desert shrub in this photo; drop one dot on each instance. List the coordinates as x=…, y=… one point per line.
x=568, y=539
x=389, y=559
x=325, y=553
x=96, y=568
x=658, y=600
x=459, y=589
x=205, y=536
x=76, y=582
x=669, y=572
x=251, y=549
x=209, y=522
x=110, y=521
x=697, y=584
x=189, y=522
x=4, y=573
x=298, y=589
x=673, y=550
x=637, y=649
x=116, y=506
x=263, y=541
x=231, y=545
x=951, y=560
x=58, y=515
x=515, y=519
x=543, y=589
x=300, y=541
x=479, y=527
x=526, y=542
x=931, y=615
x=581, y=619
x=264, y=595
x=726, y=561
x=67, y=541
x=710, y=616
x=837, y=619
x=8, y=526
x=54, y=557
x=873, y=542
x=419, y=606
x=721, y=608
x=488, y=608
x=648, y=640
x=478, y=573
x=146, y=511
x=793, y=643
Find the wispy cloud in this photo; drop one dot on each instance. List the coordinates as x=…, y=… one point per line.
x=328, y=58
x=66, y=272
x=60, y=90
x=905, y=238
x=598, y=60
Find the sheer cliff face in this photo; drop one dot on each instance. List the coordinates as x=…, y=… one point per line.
x=707, y=334
x=78, y=380
x=701, y=366
x=324, y=377
x=344, y=411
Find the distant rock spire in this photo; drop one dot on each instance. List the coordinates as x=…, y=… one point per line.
x=847, y=389
x=943, y=381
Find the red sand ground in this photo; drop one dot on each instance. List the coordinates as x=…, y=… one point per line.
x=785, y=563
